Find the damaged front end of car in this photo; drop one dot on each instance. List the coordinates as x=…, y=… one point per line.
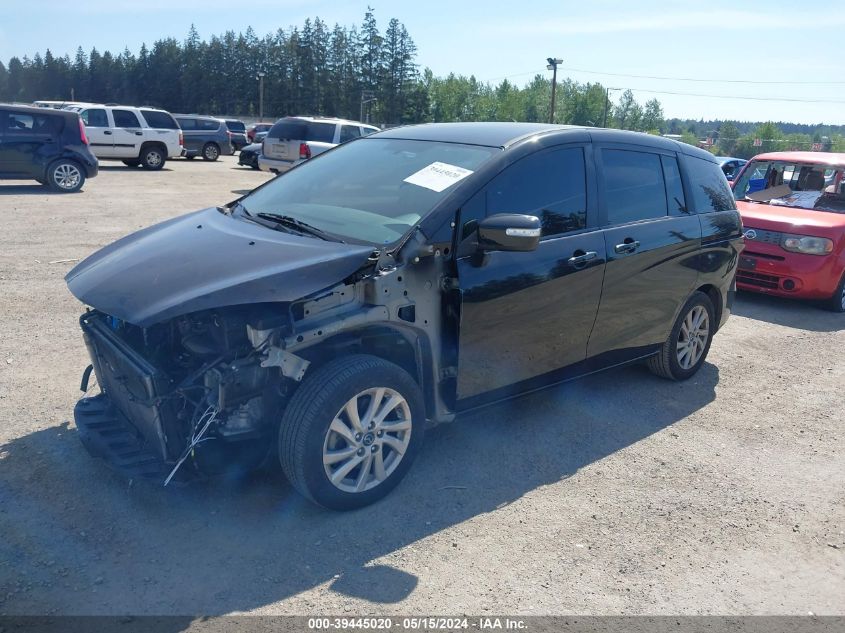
x=195, y=359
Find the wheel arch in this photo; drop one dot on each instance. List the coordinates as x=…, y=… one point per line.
x=716, y=298
x=407, y=347
x=148, y=144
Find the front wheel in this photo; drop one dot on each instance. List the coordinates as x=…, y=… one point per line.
x=837, y=302
x=351, y=431
x=684, y=352
x=65, y=176
x=132, y=163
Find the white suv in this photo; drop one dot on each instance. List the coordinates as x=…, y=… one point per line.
x=297, y=138
x=137, y=136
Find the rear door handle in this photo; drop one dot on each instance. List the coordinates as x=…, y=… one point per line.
x=583, y=258
x=107, y=132
x=627, y=247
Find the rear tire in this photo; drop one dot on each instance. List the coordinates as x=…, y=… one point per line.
x=190, y=157
x=153, y=158
x=210, y=152
x=837, y=302
x=684, y=352
x=65, y=176
x=351, y=431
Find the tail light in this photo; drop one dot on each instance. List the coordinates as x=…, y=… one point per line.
x=304, y=151
x=82, y=136
x=181, y=138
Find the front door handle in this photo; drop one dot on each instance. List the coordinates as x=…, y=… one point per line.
x=628, y=246
x=139, y=133
x=580, y=258
x=107, y=132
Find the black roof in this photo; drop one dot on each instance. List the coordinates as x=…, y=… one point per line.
x=29, y=109
x=503, y=134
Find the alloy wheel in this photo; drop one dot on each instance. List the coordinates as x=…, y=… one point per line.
x=67, y=176
x=153, y=159
x=693, y=337
x=367, y=439
x=211, y=152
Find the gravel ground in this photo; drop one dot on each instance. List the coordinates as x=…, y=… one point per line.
x=618, y=494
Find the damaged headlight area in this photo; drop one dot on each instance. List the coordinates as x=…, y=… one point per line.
x=195, y=395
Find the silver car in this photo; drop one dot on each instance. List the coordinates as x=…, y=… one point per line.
x=295, y=139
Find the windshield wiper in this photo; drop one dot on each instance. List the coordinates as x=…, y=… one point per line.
x=298, y=225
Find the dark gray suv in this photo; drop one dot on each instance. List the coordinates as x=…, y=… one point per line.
x=204, y=136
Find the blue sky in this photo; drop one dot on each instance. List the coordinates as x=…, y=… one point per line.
x=772, y=42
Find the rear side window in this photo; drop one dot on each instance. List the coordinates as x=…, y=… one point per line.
x=349, y=132
x=95, y=117
x=710, y=191
x=236, y=126
x=21, y=123
x=188, y=124
x=160, y=120
x=208, y=125
x=634, y=188
x=550, y=185
x=320, y=132
x=125, y=118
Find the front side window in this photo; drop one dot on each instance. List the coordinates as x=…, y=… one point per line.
x=710, y=190
x=550, y=185
x=95, y=117
x=372, y=191
x=125, y=118
x=634, y=187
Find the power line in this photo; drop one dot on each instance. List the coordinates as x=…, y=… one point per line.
x=696, y=79
x=695, y=94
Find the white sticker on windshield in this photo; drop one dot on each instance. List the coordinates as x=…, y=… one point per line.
x=438, y=176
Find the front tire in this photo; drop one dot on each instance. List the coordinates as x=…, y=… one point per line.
x=684, y=352
x=210, y=151
x=65, y=176
x=837, y=302
x=351, y=431
x=153, y=158
x=132, y=163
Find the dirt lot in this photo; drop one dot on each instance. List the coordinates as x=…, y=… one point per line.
x=621, y=493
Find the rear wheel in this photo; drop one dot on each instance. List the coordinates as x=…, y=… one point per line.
x=684, y=352
x=351, y=431
x=153, y=158
x=65, y=176
x=837, y=302
x=210, y=151
x=190, y=157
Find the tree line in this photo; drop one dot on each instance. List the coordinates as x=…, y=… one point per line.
x=351, y=72
x=354, y=72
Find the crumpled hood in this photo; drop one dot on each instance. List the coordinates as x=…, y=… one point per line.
x=207, y=260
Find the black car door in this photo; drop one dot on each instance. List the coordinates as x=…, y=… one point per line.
x=652, y=242
x=524, y=315
x=24, y=136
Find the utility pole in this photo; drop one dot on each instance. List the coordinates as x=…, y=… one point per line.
x=553, y=62
x=606, y=103
x=261, y=75
x=367, y=96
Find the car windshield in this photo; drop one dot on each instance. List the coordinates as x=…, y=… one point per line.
x=820, y=187
x=370, y=190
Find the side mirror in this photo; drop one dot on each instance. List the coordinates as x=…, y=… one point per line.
x=509, y=232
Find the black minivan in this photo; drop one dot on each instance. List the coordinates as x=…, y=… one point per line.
x=49, y=146
x=403, y=278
